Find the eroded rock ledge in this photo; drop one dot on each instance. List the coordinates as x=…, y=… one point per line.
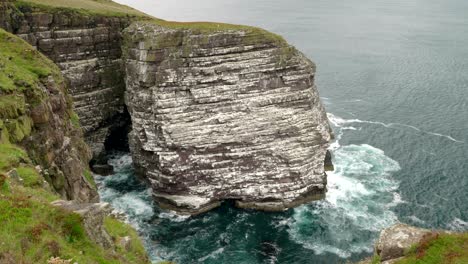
x=222, y=112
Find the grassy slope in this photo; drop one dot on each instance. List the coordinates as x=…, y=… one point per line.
x=255, y=34
x=31, y=229
x=21, y=68
x=439, y=249
x=100, y=7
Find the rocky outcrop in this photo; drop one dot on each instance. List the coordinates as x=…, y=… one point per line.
x=395, y=240
x=224, y=112
x=87, y=48
x=93, y=215
x=36, y=113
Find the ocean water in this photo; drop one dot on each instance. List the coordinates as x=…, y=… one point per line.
x=394, y=79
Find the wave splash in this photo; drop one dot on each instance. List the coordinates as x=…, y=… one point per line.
x=129, y=197
x=361, y=193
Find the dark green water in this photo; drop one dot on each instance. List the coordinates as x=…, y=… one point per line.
x=394, y=79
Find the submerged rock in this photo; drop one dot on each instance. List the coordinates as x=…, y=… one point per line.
x=102, y=169
x=222, y=112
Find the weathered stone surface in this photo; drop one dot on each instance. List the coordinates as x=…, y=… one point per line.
x=93, y=215
x=224, y=114
x=394, y=240
x=87, y=48
x=125, y=243
x=58, y=146
x=36, y=113
x=102, y=169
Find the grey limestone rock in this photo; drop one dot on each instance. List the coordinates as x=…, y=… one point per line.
x=87, y=48
x=394, y=240
x=224, y=114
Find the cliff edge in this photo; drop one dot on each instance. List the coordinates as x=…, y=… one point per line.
x=223, y=112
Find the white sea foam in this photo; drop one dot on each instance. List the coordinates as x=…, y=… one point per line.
x=339, y=122
x=173, y=216
x=396, y=200
x=360, y=191
x=458, y=225
x=211, y=255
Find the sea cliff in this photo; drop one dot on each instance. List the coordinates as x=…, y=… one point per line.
x=224, y=112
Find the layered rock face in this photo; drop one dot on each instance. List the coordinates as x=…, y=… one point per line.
x=36, y=113
x=224, y=112
x=87, y=49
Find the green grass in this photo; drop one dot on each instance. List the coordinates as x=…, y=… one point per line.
x=32, y=230
x=375, y=259
x=253, y=35
x=75, y=120
x=87, y=7
x=11, y=156
x=21, y=66
x=89, y=177
x=30, y=176
x=439, y=249
x=117, y=230
x=12, y=106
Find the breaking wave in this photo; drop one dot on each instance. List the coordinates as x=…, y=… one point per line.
x=128, y=196
x=361, y=193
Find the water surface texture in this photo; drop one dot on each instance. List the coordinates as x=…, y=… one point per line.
x=394, y=78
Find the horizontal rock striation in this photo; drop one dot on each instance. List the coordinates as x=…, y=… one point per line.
x=222, y=112
x=36, y=113
x=87, y=48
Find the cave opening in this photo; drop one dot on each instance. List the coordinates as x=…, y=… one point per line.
x=117, y=137
x=116, y=141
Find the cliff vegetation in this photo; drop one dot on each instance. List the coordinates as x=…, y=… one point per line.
x=35, y=111
x=438, y=249
x=96, y=7
x=404, y=244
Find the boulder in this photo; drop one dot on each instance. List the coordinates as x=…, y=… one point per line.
x=395, y=240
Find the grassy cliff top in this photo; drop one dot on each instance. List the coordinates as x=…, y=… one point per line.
x=213, y=27
x=99, y=7
x=172, y=34
x=110, y=8
x=21, y=66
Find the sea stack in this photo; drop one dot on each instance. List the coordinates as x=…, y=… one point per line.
x=223, y=112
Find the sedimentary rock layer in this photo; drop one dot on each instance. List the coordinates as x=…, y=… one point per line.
x=87, y=48
x=224, y=112
x=36, y=113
